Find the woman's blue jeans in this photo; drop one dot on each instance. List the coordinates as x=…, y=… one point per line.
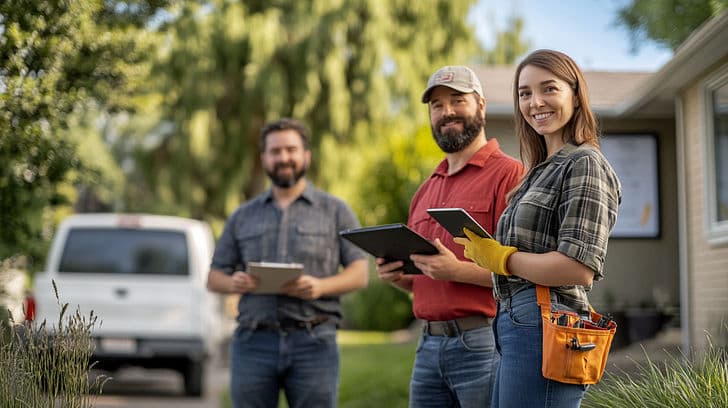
x=302, y=362
x=454, y=371
x=519, y=383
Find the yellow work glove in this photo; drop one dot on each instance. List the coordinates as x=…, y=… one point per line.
x=486, y=252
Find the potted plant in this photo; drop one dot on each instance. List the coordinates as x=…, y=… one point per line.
x=648, y=318
x=617, y=313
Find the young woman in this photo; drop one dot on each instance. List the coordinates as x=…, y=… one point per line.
x=555, y=229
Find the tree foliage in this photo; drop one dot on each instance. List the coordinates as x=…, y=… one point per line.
x=668, y=22
x=346, y=68
x=54, y=55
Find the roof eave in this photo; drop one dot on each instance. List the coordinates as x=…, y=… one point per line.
x=706, y=46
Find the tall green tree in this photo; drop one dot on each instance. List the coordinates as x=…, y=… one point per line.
x=667, y=22
x=54, y=56
x=348, y=68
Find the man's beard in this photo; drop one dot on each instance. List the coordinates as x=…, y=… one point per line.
x=285, y=181
x=452, y=141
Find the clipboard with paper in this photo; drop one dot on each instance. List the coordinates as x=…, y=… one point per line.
x=272, y=275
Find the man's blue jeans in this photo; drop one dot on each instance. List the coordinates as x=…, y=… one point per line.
x=454, y=371
x=302, y=362
x=519, y=382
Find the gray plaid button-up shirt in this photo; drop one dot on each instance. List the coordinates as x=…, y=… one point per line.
x=306, y=232
x=567, y=204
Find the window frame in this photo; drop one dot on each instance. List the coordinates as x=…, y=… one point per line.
x=716, y=232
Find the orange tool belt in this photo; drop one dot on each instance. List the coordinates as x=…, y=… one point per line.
x=575, y=349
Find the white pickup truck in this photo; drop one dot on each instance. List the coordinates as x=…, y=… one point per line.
x=144, y=277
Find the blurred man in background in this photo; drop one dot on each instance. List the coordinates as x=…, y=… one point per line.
x=287, y=340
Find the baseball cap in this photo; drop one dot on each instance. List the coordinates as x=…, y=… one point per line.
x=457, y=77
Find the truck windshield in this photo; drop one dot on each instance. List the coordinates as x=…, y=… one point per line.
x=125, y=251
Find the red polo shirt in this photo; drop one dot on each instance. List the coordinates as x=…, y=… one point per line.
x=480, y=188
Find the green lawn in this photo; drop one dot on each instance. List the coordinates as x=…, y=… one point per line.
x=375, y=375
x=375, y=372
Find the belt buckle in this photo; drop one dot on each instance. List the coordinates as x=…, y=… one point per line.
x=451, y=328
x=264, y=326
x=437, y=328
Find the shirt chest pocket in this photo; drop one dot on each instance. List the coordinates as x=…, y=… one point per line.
x=313, y=242
x=251, y=244
x=482, y=212
x=537, y=211
x=479, y=209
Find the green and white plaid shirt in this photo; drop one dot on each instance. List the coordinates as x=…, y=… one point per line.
x=567, y=204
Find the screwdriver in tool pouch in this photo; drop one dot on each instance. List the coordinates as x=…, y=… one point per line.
x=604, y=321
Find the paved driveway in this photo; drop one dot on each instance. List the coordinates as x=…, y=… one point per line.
x=139, y=388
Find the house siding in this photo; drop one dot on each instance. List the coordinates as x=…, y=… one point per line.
x=707, y=264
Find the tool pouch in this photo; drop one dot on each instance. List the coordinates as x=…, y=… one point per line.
x=575, y=350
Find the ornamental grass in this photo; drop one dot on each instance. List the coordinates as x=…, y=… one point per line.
x=678, y=382
x=44, y=365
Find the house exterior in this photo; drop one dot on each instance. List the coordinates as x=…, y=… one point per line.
x=680, y=114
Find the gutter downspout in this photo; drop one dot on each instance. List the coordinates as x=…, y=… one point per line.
x=682, y=233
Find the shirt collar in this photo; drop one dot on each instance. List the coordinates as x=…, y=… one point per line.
x=562, y=153
x=558, y=157
x=308, y=195
x=478, y=159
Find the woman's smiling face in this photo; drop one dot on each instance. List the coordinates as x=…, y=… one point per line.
x=545, y=101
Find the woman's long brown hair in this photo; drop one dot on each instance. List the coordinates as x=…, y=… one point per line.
x=581, y=128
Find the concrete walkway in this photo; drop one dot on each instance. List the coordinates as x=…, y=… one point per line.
x=663, y=347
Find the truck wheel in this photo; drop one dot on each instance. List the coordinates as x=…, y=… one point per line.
x=194, y=375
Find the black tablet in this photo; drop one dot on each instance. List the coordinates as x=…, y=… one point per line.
x=393, y=242
x=455, y=219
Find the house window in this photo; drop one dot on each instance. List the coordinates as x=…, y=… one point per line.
x=720, y=130
x=634, y=159
x=717, y=155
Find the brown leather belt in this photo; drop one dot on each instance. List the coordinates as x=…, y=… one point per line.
x=453, y=328
x=289, y=324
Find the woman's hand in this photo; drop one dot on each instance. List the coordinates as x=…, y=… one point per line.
x=486, y=252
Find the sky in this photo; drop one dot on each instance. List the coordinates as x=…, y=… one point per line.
x=583, y=29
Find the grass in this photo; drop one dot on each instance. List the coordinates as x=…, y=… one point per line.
x=375, y=371
x=43, y=366
x=375, y=375
x=677, y=383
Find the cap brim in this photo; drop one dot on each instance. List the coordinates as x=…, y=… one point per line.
x=463, y=89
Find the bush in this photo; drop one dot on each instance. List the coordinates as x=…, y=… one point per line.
x=378, y=307
x=702, y=382
x=48, y=367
